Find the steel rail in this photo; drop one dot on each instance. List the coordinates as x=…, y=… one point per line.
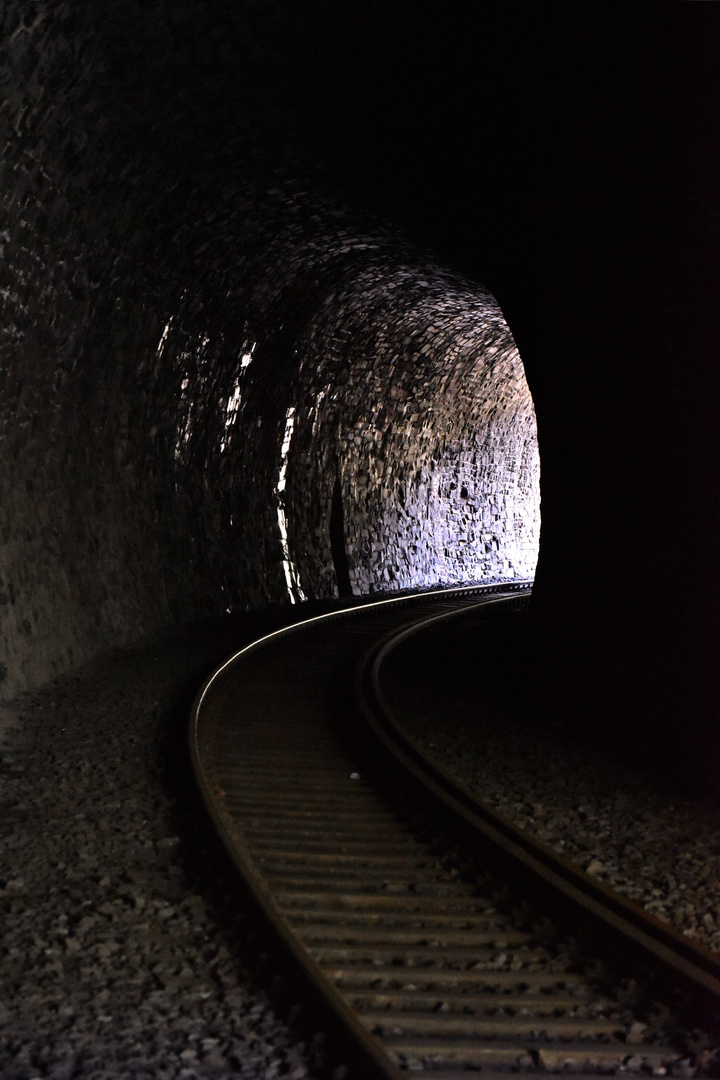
x=361, y=1050
x=684, y=957
x=350, y=892
x=504, y=588
x=623, y=921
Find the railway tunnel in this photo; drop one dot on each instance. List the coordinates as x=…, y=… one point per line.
x=311, y=299
x=246, y=345
x=199, y=269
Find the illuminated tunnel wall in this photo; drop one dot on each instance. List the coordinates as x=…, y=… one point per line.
x=341, y=363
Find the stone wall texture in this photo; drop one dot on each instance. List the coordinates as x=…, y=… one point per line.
x=196, y=345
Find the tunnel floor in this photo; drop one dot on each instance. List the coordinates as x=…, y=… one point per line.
x=123, y=954
x=125, y=950
x=591, y=800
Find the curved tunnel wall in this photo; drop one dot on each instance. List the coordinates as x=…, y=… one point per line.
x=340, y=354
x=195, y=350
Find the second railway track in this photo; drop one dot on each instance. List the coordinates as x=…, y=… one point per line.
x=421, y=965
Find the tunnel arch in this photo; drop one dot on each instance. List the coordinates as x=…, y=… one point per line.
x=338, y=349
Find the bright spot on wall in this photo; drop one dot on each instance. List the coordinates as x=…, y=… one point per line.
x=292, y=580
x=315, y=410
x=235, y=400
x=194, y=358
x=231, y=410
x=185, y=425
x=163, y=337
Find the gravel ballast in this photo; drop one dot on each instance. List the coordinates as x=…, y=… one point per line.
x=613, y=819
x=126, y=953
x=122, y=955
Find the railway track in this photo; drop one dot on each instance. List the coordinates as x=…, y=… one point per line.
x=424, y=957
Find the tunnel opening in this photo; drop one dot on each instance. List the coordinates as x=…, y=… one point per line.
x=342, y=341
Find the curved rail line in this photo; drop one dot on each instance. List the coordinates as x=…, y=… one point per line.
x=419, y=964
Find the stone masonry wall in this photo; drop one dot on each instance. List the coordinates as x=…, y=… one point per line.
x=333, y=349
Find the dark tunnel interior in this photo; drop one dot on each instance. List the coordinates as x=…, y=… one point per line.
x=269, y=270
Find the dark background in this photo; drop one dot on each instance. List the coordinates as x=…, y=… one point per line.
x=567, y=156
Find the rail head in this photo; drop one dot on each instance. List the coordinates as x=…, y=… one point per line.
x=519, y=585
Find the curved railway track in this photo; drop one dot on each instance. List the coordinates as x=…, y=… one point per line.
x=425, y=955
